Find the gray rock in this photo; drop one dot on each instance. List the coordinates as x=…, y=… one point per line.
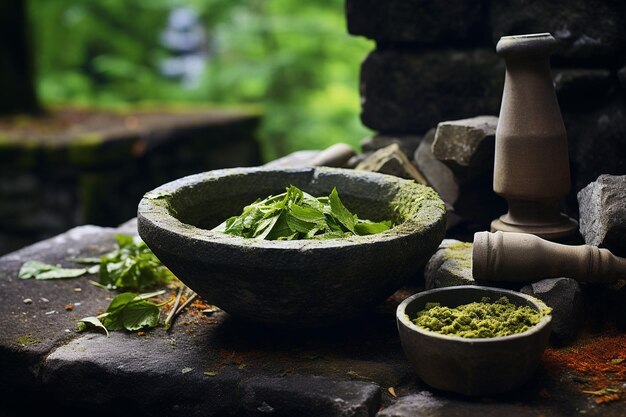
x=603, y=213
x=357, y=159
x=421, y=22
x=296, y=159
x=565, y=298
x=581, y=87
x=569, y=22
x=473, y=201
x=392, y=161
x=438, y=174
x=408, y=143
x=467, y=146
x=426, y=404
x=410, y=91
x=451, y=265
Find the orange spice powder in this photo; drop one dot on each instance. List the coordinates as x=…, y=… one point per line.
x=598, y=363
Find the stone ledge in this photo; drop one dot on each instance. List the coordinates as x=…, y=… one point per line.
x=334, y=372
x=93, y=166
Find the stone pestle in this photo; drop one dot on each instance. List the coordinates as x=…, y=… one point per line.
x=508, y=256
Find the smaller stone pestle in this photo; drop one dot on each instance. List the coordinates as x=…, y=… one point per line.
x=508, y=256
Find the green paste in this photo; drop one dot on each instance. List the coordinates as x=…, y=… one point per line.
x=479, y=319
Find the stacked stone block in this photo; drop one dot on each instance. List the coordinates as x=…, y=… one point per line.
x=436, y=61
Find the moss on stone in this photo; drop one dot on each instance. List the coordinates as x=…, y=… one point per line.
x=27, y=340
x=460, y=253
x=408, y=203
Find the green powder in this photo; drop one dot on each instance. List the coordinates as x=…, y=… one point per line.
x=479, y=319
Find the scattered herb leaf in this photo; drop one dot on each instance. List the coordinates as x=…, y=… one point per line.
x=295, y=214
x=603, y=391
x=186, y=370
x=128, y=311
x=132, y=266
x=210, y=373
x=84, y=323
x=43, y=271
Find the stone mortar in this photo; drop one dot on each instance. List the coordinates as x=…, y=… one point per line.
x=304, y=283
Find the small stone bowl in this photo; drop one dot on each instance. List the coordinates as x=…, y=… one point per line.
x=302, y=283
x=471, y=367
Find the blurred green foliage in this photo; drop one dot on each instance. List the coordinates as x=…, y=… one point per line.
x=293, y=57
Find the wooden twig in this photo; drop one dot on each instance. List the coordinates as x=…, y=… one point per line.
x=176, y=310
x=190, y=300
x=172, y=314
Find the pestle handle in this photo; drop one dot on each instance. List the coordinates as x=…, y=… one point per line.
x=507, y=256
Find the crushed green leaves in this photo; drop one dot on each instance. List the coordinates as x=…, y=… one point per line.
x=295, y=214
x=127, y=311
x=479, y=319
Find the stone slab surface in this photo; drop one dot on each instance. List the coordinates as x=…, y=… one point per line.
x=253, y=371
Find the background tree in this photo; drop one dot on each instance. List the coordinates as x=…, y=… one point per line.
x=17, y=91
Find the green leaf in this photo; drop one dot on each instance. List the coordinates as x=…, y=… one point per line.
x=30, y=269
x=297, y=225
x=43, y=271
x=280, y=229
x=86, y=261
x=120, y=301
x=113, y=322
x=370, y=228
x=129, y=311
x=265, y=229
x=308, y=214
x=132, y=266
x=340, y=212
x=125, y=241
x=84, y=323
x=93, y=269
x=62, y=273
x=140, y=314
